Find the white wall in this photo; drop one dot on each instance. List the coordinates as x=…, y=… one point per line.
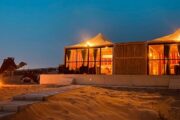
x=56, y=79
x=172, y=82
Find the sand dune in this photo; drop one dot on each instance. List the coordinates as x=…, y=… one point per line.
x=93, y=103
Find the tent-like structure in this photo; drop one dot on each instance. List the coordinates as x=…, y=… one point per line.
x=164, y=54
x=92, y=56
x=160, y=56
x=171, y=38
x=97, y=41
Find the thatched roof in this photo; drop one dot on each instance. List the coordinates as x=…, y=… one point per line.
x=174, y=37
x=98, y=40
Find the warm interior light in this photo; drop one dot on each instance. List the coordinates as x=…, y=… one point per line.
x=178, y=38
x=150, y=55
x=88, y=44
x=106, y=47
x=1, y=83
x=107, y=56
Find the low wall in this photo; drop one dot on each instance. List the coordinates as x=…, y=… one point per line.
x=56, y=79
x=172, y=82
x=16, y=79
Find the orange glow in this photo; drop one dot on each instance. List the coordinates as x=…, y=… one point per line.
x=174, y=37
x=178, y=38
x=107, y=56
x=150, y=55
x=158, y=61
x=106, y=47
x=1, y=83
x=88, y=44
x=91, y=60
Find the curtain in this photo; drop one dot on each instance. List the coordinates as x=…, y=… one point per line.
x=166, y=55
x=166, y=51
x=83, y=52
x=95, y=55
x=68, y=53
x=179, y=48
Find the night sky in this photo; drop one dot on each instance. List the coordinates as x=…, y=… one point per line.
x=36, y=31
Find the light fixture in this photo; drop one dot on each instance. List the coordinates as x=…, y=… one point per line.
x=150, y=55
x=88, y=44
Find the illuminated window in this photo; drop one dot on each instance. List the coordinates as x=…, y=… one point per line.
x=106, y=60
x=90, y=60
x=164, y=59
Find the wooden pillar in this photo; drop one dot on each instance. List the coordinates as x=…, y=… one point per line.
x=65, y=57
x=76, y=59
x=88, y=60
x=100, y=62
x=148, y=72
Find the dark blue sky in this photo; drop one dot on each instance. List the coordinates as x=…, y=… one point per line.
x=36, y=31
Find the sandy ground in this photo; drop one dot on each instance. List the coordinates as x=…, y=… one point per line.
x=8, y=91
x=95, y=103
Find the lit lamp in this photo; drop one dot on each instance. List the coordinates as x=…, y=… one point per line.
x=150, y=55
x=88, y=44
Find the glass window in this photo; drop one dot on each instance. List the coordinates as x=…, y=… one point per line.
x=106, y=54
x=156, y=51
x=156, y=67
x=174, y=59
x=156, y=59
x=90, y=60
x=79, y=64
x=72, y=55
x=79, y=55
x=164, y=59
x=72, y=65
x=106, y=60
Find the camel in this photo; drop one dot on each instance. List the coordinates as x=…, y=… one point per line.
x=9, y=65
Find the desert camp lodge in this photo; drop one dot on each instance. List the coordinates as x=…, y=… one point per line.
x=98, y=55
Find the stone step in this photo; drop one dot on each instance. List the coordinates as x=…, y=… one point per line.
x=36, y=96
x=14, y=106
x=21, y=101
x=29, y=97
x=4, y=114
x=42, y=95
